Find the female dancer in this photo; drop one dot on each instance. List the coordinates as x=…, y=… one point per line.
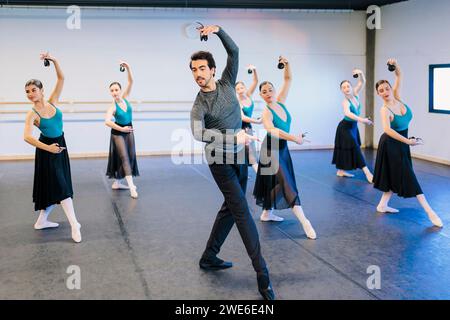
x=122, y=152
x=247, y=106
x=347, y=153
x=275, y=185
x=52, y=179
x=393, y=167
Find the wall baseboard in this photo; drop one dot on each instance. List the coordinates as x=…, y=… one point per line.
x=93, y=155
x=300, y=148
x=100, y=155
x=425, y=157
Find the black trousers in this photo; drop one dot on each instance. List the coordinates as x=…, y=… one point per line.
x=232, y=182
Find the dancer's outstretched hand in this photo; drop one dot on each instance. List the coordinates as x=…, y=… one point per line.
x=367, y=121
x=395, y=63
x=357, y=71
x=414, y=142
x=124, y=64
x=243, y=138
x=206, y=30
x=46, y=55
x=283, y=60
x=299, y=139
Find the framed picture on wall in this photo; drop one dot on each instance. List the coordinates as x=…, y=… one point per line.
x=439, y=88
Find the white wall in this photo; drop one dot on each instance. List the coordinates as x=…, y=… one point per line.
x=322, y=48
x=416, y=32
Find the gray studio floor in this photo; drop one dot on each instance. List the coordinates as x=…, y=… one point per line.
x=149, y=248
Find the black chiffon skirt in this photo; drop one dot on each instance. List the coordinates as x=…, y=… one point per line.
x=52, y=178
x=347, y=153
x=393, y=168
x=122, y=155
x=275, y=186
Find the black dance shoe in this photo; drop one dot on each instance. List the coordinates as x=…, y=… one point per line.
x=214, y=264
x=265, y=287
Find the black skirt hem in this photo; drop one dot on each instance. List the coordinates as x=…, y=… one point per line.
x=52, y=177
x=116, y=168
x=277, y=190
x=347, y=153
x=393, y=168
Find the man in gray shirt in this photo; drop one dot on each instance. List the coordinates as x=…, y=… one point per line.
x=216, y=120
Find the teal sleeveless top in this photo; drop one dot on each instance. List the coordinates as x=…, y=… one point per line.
x=248, y=111
x=401, y=123
x=51, y=127
x=353, y=109
x=123, y=118
x=280, y=123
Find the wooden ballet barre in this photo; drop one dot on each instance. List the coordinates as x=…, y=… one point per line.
x=100, y=102
x=70, y=106
x=135, y=103
x=98, y=111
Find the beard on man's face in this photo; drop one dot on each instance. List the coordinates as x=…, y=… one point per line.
x=201, y=81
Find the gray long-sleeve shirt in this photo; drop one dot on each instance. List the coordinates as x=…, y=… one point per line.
x=216, y=115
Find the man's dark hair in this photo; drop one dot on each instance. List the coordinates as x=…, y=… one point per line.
x=203, y=55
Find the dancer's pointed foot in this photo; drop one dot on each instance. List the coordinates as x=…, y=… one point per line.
x=265, y=287
x=269, y=216
x=214, y=264
x=434, y=218
x=45, y=224
x=76, y=233
x=369, y=177
x=386, y=209
x=133, y=192
x=309, y=230
x=119, y=186
x=342, y=173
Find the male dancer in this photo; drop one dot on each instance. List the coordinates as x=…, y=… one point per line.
x=216, y=120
